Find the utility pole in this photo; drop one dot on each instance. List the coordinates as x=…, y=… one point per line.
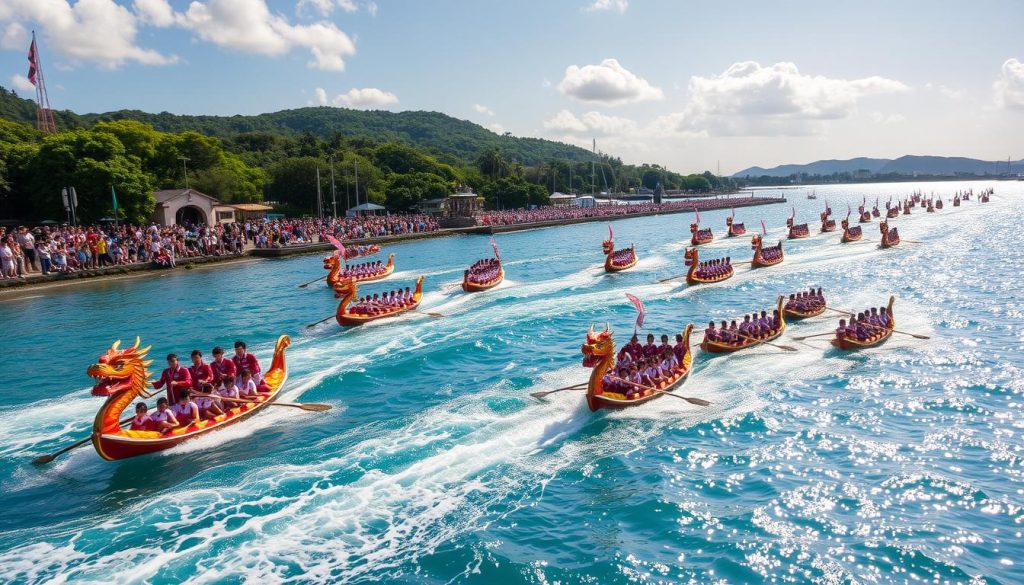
x=319, y=196
x=334, y=195
x=184, y=165
x=357, y=183
x=593, y=175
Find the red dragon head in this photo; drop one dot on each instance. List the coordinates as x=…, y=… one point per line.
x=330, y=262
x=120, y=370
x=690, y=256
x=755, y=241
x=598, y=347
x=694, y=227
x=345, y=286
x=608, y=246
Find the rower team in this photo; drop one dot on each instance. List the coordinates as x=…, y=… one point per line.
x=867, y=326
x=714, y=268
x=771, y=253
x=703, y=234
x=642, y=367
x=483, y=271
x=800, y=230
x=383, y=303
x=806, y=301
x=752, y=327
x=620, y=257
x=365, y=269
x=203, y=390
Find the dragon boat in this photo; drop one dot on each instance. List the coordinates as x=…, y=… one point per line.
x=722, y=347
x=931, y=206
x=851, y=233
x=599, y=354
x=759, y=260
x=797, y=231
x=335, y=275
x=352, y=252
x=122, y=376
x=734, y=229
x=874, y=211
x=890, y=237
x=477, y=286
x=956, y=201
x=693, y=262
x=795, y=314
x=348, y=291
x=984, y=198
x=938, y=203
x=700, y=236
x=610, y=264
x=890, y=211
x=827, y=223
x=849, y=344
x=907, y=207
x=863, y=213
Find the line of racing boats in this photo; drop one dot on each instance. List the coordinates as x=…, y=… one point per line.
x=629, y=377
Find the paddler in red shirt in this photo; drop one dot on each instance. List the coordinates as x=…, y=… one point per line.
x=200, y=371
x=247, y=361
x=221, y=367
x=175, y=377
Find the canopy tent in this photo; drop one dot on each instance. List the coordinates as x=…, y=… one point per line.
x=366, y=208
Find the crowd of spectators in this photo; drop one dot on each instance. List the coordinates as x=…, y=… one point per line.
x=57, y=249
x=282, y=232
x=570, y=212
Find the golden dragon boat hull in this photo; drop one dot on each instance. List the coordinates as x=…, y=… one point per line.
x=469, y=286
x=387, y=271
x=693, y=279
x=616, y=401
x=128, y=443
x=847, y=344
x=797, y=314
x=610, y=266
x=720, y=347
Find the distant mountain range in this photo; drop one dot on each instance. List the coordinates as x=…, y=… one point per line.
x=905, y=165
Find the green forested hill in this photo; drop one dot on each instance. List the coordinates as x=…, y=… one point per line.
x=431, y=131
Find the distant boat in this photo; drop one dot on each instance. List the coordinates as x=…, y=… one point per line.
x=812, y=195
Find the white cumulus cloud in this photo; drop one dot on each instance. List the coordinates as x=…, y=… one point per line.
x=1009, y=87
x=21, y=82
x=155, y=12
x=481, y=109
x=619, y=6
x=14, y=37
x=748, y=99
x=98, y=31
x=367, y=97
x=590, y=123
x=608, y=83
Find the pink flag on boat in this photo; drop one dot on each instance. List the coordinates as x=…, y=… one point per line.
x=764, y=228
x=611, y=236
x=495, y=246
x=641, y=313
x=340, y=247
x=697, y=213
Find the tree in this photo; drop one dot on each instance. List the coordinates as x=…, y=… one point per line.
x=92, y=162
x=404, y=191
x=491, y=163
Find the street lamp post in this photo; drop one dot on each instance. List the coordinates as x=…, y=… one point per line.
x=184, y=165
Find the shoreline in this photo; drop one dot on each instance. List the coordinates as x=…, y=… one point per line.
x=38, y=282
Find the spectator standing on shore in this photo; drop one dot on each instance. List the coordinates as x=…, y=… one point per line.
x=27, y=242
x=43, y=251
x=7, y=268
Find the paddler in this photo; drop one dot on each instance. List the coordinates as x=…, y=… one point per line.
x=175, y=377
x=141, y=421
x=247, y=361
x=221, y=367
x=186, y=411
x=163, y=419
x=200, y=371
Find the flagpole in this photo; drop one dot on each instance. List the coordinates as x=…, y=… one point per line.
x=113, y=196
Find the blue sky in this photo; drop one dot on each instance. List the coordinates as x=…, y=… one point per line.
x=686, y=84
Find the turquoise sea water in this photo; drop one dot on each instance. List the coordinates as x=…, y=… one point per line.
x=899, y=464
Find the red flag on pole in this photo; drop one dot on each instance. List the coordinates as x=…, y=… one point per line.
x=697, y=213
x=495, y=246
x=639, y=309
x=33, y=65
x=340, y=247
x=610, y=235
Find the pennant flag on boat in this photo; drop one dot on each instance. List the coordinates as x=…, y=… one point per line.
x=340, y=247
x=610, y=235
x=697, y=213
x=495, y=246
x=764, y=228
x=33, y=62
x=639, y=309
x=734, y=213
x=794, y=213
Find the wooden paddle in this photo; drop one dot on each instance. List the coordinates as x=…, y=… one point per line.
x=304, y=285
x=815, y=335
x=310, y=406
x=782, y=347
x=673, y=277
x=691, y=400
x=546, y=392
x=319, y=322
x=877, y=327
x=44, y=459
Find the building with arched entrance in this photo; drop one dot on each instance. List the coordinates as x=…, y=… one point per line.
x=188, y=206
